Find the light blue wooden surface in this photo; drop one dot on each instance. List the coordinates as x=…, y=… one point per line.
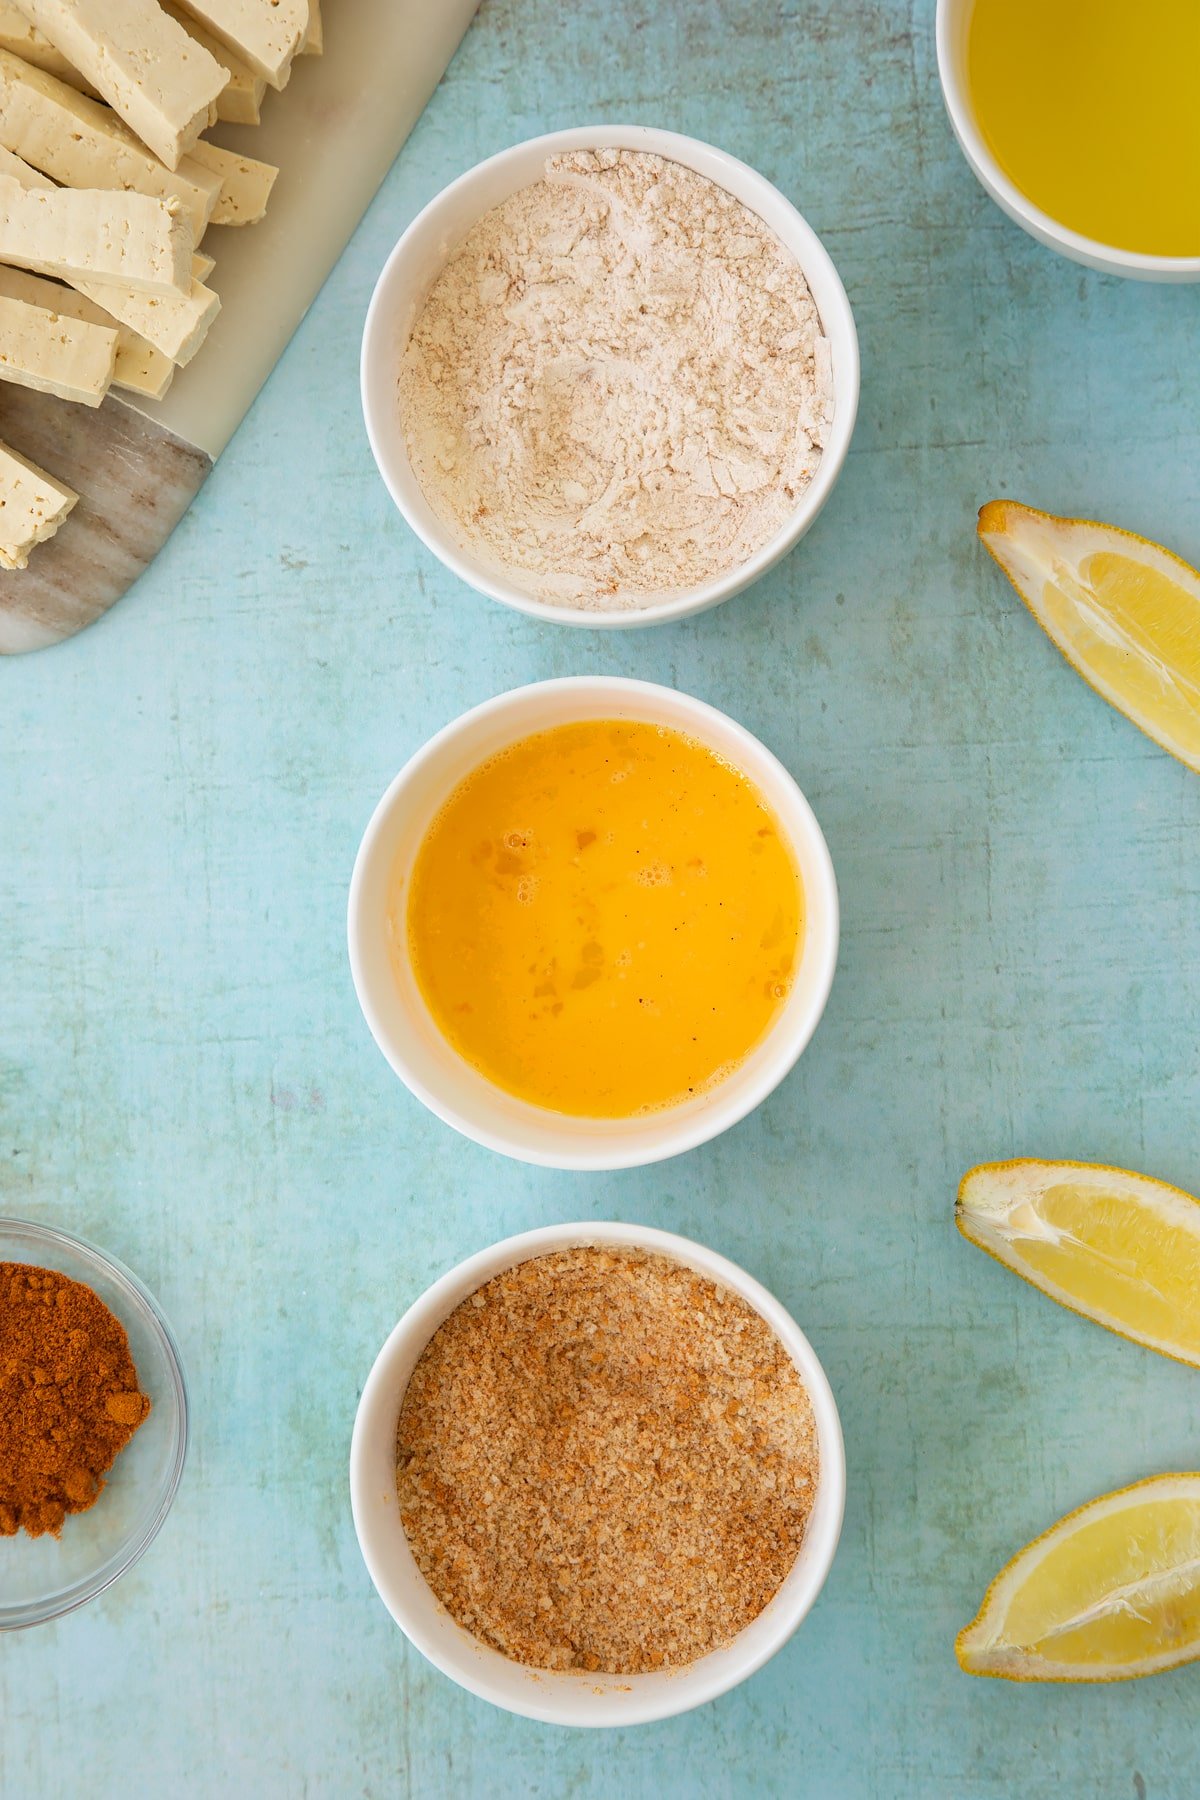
x=185, y=1077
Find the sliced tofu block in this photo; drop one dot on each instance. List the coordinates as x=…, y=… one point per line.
x=240, y=101
x=22, y=39
x=245, y=184
x=83, y=144
x=314, y=43
x=141, y=369
x=162, y=82
x=54, y=353
x=176, y=326
x=139, y=366
x=32, y=507
x=266, y=33
x=132, y=239
x=18, y=170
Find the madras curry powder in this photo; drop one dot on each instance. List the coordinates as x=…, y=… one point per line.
x=69, y=1397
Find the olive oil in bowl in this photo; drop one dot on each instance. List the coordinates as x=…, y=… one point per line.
x=1093, y=111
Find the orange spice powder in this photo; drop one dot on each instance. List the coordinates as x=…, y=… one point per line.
x=69, y=1397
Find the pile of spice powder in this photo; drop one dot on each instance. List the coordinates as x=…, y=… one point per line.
x=69, y=1397
x=618, y=385
x=605, y=1462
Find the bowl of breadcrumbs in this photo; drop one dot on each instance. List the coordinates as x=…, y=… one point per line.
x=597, y=1474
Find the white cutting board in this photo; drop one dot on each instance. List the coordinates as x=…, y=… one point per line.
x=334, y=133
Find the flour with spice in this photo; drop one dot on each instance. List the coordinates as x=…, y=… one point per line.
x=618, y=385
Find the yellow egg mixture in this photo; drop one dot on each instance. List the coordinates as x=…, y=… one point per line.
x=604, y=918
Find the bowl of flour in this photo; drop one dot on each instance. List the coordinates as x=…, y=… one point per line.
x=610, y=376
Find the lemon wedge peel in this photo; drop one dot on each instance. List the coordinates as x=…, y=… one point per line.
x=1124, y=611
x=1139, y=1600
x=1145, y=1289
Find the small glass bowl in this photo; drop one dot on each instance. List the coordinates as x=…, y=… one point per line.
x=43, y=1577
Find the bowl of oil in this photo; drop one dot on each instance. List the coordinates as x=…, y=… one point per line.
x=1083, y=124
x=593, y=923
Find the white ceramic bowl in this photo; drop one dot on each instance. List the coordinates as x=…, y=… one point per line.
x=395, y=1010
x=556, y=1697
x=953, y=26
x=418, y=259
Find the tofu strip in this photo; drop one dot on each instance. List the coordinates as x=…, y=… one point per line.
x=245, y=184
x=131, y=239
x=162, y=82
x=314, y=43
x=83, y=144
x=266, y=33
x=22, y=39
x=175, y=327
x=18, y=170
x=240, y=101
x=55, y=354
x=139, y=367
x=32, y=507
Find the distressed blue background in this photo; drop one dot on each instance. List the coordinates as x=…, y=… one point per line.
x=185, y=1077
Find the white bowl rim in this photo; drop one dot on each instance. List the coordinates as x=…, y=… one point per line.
x=677, y=147
x=1107, y=258
x=718, y=1115
x=418, y=1324
x=90, y=1587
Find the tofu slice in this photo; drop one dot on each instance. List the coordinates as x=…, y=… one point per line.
x=19, y=170
x=132, y=239
x=314, y=43
x=139, y=367
x=240, y=101
x=32, y=507
x=54, y=353
x=266, y=33
x=177, y=326
x=245, y=184
x=83, y=144
x=162, y=82
x=22, y=39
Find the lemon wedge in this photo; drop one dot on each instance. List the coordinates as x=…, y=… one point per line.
x=1119, y=1248
x=1110, y=1592
x=1123, y=611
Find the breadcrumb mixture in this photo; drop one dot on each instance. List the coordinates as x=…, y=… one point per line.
x=618, y=385
x=605, y=1462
